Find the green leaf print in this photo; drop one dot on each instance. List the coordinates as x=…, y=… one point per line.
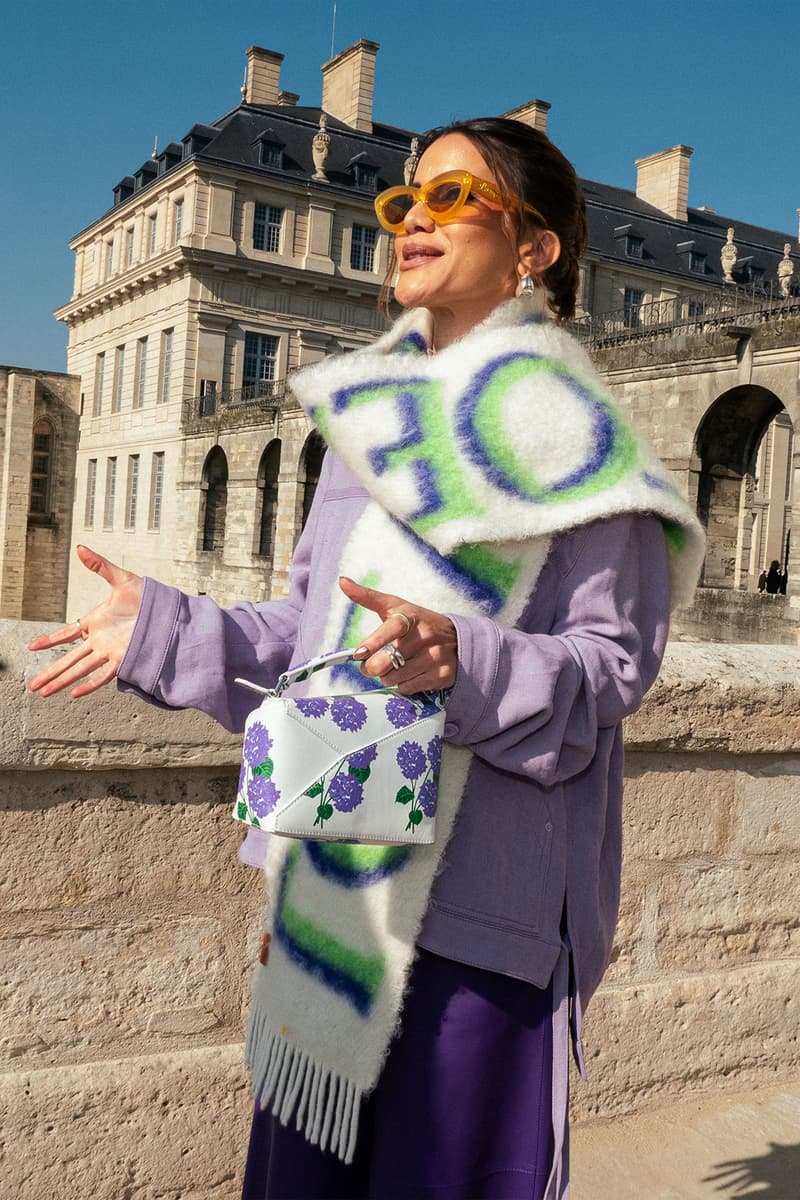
x=314, y=790
x=265, y=769
x=241, y=810
x=359, y=773
x=404, y=795
x=415, y=816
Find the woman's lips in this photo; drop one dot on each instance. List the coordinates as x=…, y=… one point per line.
x=416, y=254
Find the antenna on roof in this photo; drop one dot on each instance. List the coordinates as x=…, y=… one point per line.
x=333, y=28
x=155, y=148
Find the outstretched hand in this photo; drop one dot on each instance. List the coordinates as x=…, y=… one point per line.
x=426, y=641
x=102, y=636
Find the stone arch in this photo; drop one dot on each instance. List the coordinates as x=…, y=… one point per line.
x=267, y=503
x=725, y=455
x=310, y=466
x=213, y=500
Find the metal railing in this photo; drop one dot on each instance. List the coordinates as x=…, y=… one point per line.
x=695, y=312
x=265, y=395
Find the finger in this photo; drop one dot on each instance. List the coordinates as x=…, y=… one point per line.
x=101, y=566
x=371, y=598
x=80, y=671
x=374, y=659
x=64, y=671
x=100, y=678
x=59, y=637
x=431, y=679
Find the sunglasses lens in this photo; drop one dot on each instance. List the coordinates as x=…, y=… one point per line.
x=444, y=197
x=395, y=210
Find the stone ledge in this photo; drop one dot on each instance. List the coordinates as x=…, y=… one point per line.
x=732, y=699
x=728, y=699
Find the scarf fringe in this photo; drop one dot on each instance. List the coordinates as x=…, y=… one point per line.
x=325, y=1104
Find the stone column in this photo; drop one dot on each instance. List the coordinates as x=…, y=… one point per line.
x=15, y=494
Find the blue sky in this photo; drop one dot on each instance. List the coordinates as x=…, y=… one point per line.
x=84, y=89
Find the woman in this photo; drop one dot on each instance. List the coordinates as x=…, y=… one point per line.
x=486, y=523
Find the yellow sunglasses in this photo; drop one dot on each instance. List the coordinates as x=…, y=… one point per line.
x=445, y=198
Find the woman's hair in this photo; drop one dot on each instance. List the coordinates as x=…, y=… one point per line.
x=527, y=165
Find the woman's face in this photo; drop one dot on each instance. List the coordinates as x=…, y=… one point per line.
x=461, y=270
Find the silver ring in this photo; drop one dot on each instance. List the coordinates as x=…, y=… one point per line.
x=83, y=632
x=395, y=657
x=410, y=621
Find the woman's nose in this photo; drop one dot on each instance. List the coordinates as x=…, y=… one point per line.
x=418, y=217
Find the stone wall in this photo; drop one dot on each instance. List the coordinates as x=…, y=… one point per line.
x=129, y=928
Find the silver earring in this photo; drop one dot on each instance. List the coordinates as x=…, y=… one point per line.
x=527, y=287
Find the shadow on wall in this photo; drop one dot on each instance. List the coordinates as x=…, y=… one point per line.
x=772, y=1176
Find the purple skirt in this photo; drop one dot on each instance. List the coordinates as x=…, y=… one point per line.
x=462, y=1110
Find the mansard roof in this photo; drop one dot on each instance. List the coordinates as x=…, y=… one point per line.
x=235, y=139
x=615, y=214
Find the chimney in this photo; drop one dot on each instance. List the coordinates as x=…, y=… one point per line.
x=662, y=180
x=533, y=113
x=263, y=76
x=347, y=85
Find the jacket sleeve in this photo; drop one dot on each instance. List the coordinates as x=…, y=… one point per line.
x=532, y=703
x=186, y=651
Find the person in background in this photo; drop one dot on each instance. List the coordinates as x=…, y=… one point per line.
x=774, y=578
x=488, y=524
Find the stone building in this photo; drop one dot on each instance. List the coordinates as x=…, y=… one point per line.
x=39, y=418
x=250, y=248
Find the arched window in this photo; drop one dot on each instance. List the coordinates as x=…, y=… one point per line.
x=41, y=470
x=310, y=468
x=215, y=499
x=267, y=483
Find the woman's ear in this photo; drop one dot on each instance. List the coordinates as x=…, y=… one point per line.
x=539, y=252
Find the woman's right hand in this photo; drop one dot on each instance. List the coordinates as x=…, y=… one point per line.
x=102, y=636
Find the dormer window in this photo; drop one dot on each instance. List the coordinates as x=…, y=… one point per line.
x=697, y=262
x=270, y=154
x=365, y=176
x=632, y=245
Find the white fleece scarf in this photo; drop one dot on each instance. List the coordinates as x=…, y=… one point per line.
x=472, y=458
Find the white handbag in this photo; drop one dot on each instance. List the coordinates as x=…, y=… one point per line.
x=362, y=767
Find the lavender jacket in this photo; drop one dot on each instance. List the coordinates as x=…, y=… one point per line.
x=539, y=829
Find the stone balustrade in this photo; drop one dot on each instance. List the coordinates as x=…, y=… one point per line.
x=129, y=928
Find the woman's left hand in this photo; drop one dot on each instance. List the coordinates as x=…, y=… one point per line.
x=426, y=647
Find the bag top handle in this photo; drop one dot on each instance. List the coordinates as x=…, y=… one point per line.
x=301, y=671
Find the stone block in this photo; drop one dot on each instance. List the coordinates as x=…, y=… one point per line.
x=99, y=983
x=713, y=916
x=634, y=935
x=668, y=1038
x=676, y=807
x=71, y=839
x=161, y=1127
x=768, y=809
